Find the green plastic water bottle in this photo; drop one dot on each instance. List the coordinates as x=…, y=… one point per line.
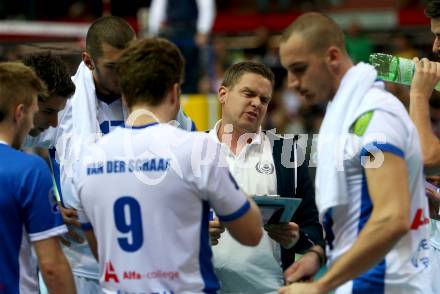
x=394, y=69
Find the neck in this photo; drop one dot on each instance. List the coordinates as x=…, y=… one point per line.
x=345, y=66
x=142, y=115
x=6, y=134
x=234, y=137
x=107, y=98
x=103, y=94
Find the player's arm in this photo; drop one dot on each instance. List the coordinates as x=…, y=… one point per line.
x=247, y=228
x=93, y=244
x=424, y=81
x=433, y=194
x=54, y=267
x=88, y=230
x=43, y=223
x=389, y=221
x=238, y=213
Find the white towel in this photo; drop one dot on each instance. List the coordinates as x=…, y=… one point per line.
x=85, y=128
x=347, y=105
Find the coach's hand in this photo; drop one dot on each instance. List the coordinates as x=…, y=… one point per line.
x=285, y=234
x=215, y=230
x=70, y=218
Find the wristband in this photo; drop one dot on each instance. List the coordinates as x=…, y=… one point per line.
x=321, y=257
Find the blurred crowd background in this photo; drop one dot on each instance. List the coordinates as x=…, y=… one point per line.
x=243, y=29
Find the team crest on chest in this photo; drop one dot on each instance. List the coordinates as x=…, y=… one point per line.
x=265, y=167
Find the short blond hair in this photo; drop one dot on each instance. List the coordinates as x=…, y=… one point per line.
x=18, y=85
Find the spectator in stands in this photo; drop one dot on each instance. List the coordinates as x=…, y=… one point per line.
x=359, y=45
x=188, y=24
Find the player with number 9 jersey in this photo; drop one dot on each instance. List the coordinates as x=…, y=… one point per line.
x=146, y=193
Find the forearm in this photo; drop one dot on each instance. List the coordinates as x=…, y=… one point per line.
x=373, y=243
x=419, y=111
x=310, y=235
x=58, y=278
x=93, y=244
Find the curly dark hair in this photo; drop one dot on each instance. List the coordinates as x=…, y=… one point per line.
x=432, y=9
x=147, y=69
x=52, y=71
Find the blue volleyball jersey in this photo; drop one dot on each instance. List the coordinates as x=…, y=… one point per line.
x=28, y=213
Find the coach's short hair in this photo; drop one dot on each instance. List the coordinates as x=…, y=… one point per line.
x=236, y=71
x=432, y=9
x=18, y=85
x=112, y=30
x=148, y=69
x=53, y=72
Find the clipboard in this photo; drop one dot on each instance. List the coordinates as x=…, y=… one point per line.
x=275, y=209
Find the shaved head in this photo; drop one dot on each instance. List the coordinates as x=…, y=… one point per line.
x=319, y=31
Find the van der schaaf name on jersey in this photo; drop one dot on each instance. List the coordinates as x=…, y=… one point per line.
x=132, y=165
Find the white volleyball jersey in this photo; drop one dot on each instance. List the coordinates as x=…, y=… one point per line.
x=109, y=117
x=405, y=268
x=146, y=192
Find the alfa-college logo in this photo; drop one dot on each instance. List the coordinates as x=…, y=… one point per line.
x=110, y=273
x=265, y=167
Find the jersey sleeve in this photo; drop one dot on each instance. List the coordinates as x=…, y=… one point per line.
x=382, y=132
x=76, y=184
x=41, y=215
x=220, y=188
x=83, y=219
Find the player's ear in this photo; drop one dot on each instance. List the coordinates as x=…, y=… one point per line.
x=175, y=93
x=19, y=112
x=174, y=99
x=88, y=61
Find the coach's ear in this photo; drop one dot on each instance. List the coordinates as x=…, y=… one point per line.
x=222, y=94
x=88, y=61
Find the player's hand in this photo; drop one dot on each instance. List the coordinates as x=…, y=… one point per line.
x=434, y=179
x=303, y=269
x=432, y=193
x=70, y=218
x=426, y=76
x=301, y=288
x=215, y=230
x=285, y=234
